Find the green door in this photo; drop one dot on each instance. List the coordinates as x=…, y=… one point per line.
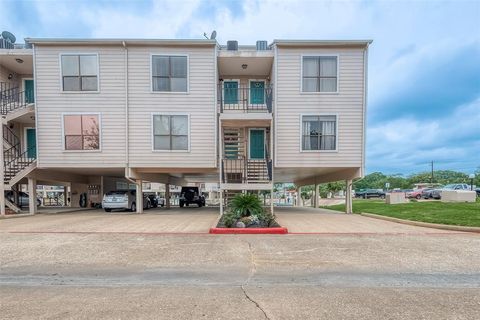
x=29, y=91
x=230, y=92
x=257, y=92
x=257, y=144
x=31, y=143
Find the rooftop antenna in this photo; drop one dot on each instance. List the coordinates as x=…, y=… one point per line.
x=213, y=36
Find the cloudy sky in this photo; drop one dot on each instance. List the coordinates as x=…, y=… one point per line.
x=424, y=67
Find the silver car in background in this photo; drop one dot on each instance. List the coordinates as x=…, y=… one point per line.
x=123, y=200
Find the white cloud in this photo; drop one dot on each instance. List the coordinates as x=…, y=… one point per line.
x=408, y=144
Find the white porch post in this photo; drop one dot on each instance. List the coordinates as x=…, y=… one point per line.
x=65, y=196
x=299, y=197
x=271, y=200
x=139, y=196
x=32, y=195
x=348, y=197
x=317, y=194
x=221, y=201
x=167, y=195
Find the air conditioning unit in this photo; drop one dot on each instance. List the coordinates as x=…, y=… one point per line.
x=232, y=45
x=262, y=45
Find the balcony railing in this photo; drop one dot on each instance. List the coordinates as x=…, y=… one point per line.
x=246, y=99
x=243, y=170
x=15, y=100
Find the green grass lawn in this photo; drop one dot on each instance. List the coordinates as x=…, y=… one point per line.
x=461, y=214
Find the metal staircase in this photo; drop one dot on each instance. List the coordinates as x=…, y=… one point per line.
x=257, y=171
x=16, y=164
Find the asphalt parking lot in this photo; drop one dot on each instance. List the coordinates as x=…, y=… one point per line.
x=120, y=275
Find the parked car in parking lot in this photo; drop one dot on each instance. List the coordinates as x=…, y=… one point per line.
x=191, y=195
x=427, y=193
x=124, y=200
x=370, y=193
x=437, y=193
x=23, y=198
x=417, y=194
x=478, y=192
x=155, y=200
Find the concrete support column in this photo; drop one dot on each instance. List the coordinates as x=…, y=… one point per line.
x=348, y=197
x=139, y=196
x=316, y=195
x=299, y=197
x=32, y=195
x=221, y=201
x=65, y=196
x=271, y=200
x=167, y=196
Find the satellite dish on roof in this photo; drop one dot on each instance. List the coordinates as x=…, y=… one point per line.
x=9, y=36
x=213, y=35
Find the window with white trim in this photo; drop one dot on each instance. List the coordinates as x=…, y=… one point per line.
x=79, y=72
x=319, y=74
x=81, y=132
x=169, y=73
x=319, y=132
x=170, y=132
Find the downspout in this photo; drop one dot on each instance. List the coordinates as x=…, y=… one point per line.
x=365, y=93
x=127, y=156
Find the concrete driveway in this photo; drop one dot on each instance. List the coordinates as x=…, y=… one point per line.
x=311, y=220
x=298, y=220
x=159, y=220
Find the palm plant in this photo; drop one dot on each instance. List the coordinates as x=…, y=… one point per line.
x=246, y=205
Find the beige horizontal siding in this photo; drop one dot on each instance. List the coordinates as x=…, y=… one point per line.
x=199, y=103
x=52, y=102
x=110, y=102
x=291, y=103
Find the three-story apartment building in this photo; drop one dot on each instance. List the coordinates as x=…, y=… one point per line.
x=83, y=111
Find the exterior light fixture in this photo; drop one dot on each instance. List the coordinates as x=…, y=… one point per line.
x=244, y=66
x=19, y=60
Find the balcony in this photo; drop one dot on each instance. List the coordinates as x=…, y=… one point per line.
x=245, y=99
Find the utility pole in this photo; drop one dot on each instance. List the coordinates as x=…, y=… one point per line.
x=431, y=177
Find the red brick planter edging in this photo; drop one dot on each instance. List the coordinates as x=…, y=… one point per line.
x=276, y=230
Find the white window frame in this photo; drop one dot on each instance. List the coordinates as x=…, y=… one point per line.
x=337, y=121
x=313, y=55
x=264, y=93
x=60, y=55
x=100, y=135
x=173, y=54
x=152, y=131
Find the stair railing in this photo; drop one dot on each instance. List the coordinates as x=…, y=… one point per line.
x=20, y=162
x=12, y=139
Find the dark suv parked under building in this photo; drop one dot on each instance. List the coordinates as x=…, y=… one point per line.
x=191, y=195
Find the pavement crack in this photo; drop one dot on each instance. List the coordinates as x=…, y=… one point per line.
x=254, y=302
x=253, y=264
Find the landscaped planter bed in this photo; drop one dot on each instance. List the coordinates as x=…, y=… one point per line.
x=245, y=215
x=272, y=228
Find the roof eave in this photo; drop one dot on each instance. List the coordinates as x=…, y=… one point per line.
x=79, y=41
x=324, y=43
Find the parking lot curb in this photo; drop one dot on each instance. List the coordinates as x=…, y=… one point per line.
x=423, y=224
x=276, y=230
